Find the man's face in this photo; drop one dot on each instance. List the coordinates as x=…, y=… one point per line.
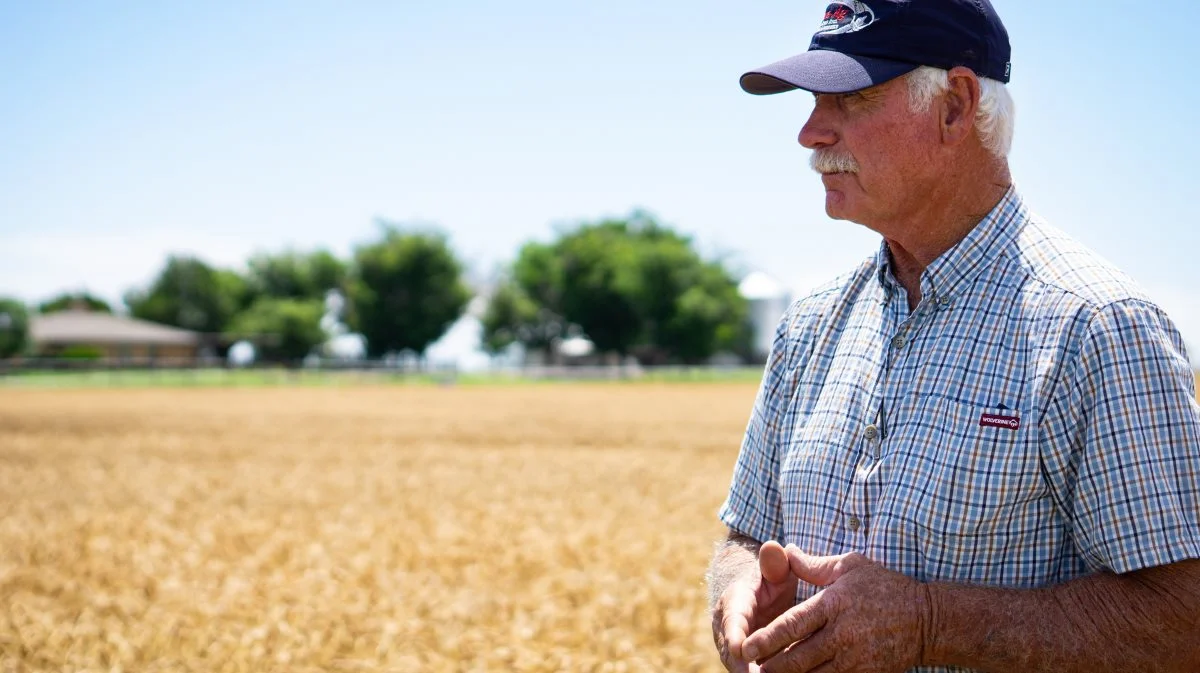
x=892, y=153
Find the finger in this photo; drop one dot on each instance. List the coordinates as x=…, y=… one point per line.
x=738, y=666
x=732, y=663
x=773, y=562
x=821, y=570
x=735, y=619
x=735, y=627
x=811, y=656
x=792, y=626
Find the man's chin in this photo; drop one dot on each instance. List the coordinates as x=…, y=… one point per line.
x=839, y=211
x=835, y=204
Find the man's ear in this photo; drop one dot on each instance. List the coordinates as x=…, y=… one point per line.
x=959, y=105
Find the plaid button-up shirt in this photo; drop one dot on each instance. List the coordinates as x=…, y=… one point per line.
x=1033, y=420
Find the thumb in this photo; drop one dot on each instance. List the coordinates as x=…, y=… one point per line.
x=821, y=570
x=773, y=562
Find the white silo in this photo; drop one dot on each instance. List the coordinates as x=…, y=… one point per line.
x=768, y=299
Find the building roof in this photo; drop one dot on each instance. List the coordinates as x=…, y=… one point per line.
x=84, y=327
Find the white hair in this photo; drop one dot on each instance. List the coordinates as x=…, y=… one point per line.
x=994, y=118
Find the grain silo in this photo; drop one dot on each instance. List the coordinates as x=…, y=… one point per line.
x=768, y=300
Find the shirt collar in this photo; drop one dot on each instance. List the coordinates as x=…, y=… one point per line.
x=951, y=273
x=883, y=262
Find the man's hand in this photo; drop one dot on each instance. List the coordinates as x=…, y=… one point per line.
x=867, y=618
x=751, y=603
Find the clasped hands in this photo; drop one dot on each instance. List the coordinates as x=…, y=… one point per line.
x=866, y=618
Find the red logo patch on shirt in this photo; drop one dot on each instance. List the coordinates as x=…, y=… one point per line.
x=1010, y=422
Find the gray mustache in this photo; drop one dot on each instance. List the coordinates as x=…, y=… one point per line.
x=829, y=161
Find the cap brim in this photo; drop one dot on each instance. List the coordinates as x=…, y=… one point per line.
x=823, y=71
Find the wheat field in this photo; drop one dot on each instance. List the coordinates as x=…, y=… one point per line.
x=559, y=527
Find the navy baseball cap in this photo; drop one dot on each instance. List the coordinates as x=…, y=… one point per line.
x=861, y=44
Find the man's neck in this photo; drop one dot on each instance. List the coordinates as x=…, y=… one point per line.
x=951, y=212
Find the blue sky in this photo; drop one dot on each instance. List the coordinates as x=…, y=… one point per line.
x=132, y=130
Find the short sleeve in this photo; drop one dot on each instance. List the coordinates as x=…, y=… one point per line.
x=753, y=506
x=1122, y=442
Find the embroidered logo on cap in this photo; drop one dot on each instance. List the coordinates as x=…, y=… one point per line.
x=1010, y=422
x=845, y=17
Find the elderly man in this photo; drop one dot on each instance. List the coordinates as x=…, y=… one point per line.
x=981, y=447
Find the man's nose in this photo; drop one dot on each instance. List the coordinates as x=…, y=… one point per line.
x=818, y=131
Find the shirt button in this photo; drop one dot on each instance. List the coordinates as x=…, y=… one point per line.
x=898, y=341
x=943, y=301
x=871, y=432
x=853, y=523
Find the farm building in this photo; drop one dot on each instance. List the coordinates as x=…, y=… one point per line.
x=110, y=336
x=768, y=300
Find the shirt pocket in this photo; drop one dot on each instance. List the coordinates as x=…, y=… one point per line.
x=968, y=474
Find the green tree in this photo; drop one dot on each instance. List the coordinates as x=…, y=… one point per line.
x=600, y=284
x=513, y=317
x=286, y=329
x=666, y=267
x=691, y=307
x=190, y=294
x=586, y=278
x=71, y=300
x=234, y=290
x=406, y=290
x=708, y=316
x=526, y=306
x=14, y=327
x=295, y=275
x=538, y=271
x=632, y=286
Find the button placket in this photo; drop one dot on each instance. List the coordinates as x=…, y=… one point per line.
x=874, y=437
